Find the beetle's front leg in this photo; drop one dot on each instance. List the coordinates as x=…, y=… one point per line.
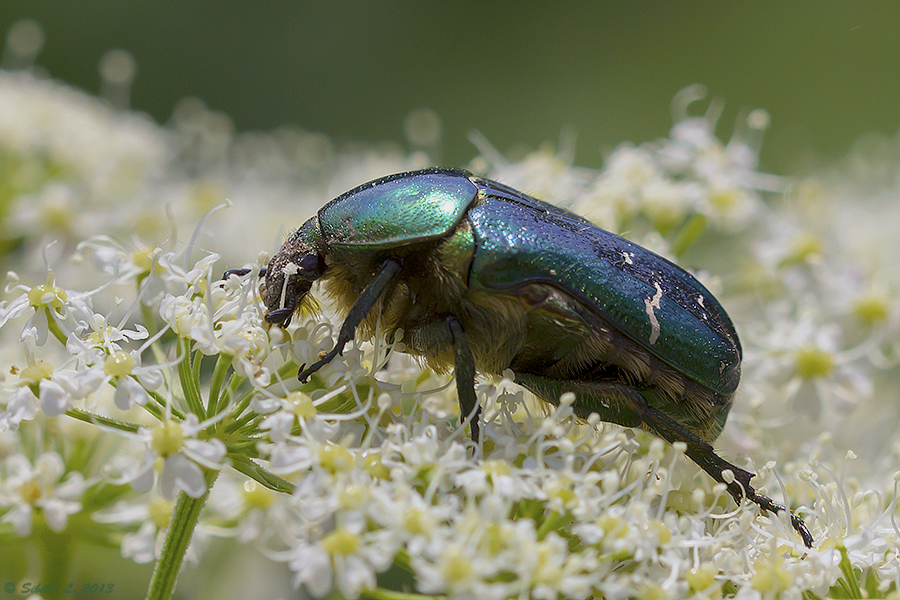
x=242, y=272
x=358, y=312
x=464, y=362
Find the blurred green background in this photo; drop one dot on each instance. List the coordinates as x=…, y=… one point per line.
x=825, y=70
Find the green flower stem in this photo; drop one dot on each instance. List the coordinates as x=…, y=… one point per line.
x=403, y=560
x=241, y=404
x=148, y=316
x=247, y=447
x=178, y=536
x=95, y=419
x=159, y=353
x=383, y=594
x=189, y=384
x=233, y=384
x=849, y=581
x=153, y=409
x=242, y=464
x=688, y=234
x=53, y=327
x=196, y=362
x=239, y=421
x=548, y=525
x=215, y=386
x=149, y=320
x=248, y=421
x=172, y=409
x=56, y=559
x=288, y=371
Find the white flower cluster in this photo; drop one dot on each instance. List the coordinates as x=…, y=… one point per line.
x=134, y=375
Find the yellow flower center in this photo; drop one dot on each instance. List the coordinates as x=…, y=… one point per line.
x=457, y=567
x=352, y=496
x=414, y=522
x=335, y=458
x=494, y=467
x=160, y=512
x=771, y=577
x=871, y=309
x=33, y=374
x=340, y=542
x=804, y=248
x=47, y=294
x=302, y=405
x=118, y=364
x=30, y=492
x=376, y=468
x=701, y=578
x=811, y=362
x=168, y=439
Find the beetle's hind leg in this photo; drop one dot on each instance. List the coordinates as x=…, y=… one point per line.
x=625, y=405
x=703, y=454
x=464, y=363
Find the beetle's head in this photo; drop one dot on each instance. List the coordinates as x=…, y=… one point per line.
x=291, y=273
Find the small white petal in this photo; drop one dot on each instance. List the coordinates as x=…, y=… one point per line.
x=181, y=474
x=142, y=475
x=54, y=399
x=141, y=545
x=49, y=467
x=210, y=452
x=314, y=572
x=150, y=379
x=19, y=516
x=36, y=329
x=72, y=488
x=22, y=406
x=57, y=512
x=355, y=577
x=128, y=393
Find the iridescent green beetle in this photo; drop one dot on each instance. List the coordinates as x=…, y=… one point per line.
x=481, y=277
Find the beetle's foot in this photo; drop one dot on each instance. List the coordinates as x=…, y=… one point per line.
x=800, y=527
x=238, y=272
x=769, y=505
x=740, y=487
x=280, y=316
x=304, y=374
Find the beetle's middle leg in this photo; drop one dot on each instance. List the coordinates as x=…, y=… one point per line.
x=358, y=312
x=464, y=364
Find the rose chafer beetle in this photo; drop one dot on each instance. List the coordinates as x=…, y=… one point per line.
x=483, y=278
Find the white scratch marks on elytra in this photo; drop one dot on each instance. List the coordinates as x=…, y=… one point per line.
x=650, y=304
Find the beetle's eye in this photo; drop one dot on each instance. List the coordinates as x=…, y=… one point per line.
x=309, y=267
